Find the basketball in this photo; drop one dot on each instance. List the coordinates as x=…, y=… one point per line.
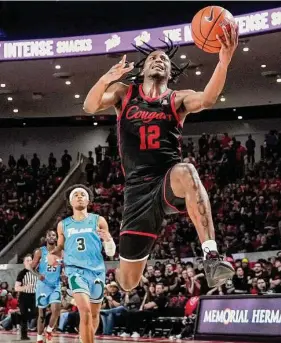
x=206, y=24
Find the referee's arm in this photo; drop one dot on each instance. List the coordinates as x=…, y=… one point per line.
x=18, y=285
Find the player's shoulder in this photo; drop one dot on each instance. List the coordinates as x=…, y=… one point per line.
x=38, y=251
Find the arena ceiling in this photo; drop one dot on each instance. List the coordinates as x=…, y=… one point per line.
x=36, y=92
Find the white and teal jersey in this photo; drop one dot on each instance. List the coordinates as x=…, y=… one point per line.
x=83, y=246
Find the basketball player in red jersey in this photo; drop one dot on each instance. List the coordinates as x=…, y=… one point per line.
x=150, y=119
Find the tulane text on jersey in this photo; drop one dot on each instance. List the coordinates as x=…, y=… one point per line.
x=83, y=246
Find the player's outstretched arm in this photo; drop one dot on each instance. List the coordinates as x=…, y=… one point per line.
x=108, y=242
x=103, y=95
x=56, y=254
x=197, y=101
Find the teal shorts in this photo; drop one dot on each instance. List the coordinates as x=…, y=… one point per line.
x=47, y=295
x=86, y=281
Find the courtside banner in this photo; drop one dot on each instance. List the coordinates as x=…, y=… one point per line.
x=251, y=316
x=117, y=42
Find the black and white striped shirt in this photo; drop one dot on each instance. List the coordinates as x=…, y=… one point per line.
x=25, y=277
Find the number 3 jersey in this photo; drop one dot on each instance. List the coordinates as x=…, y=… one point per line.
x=149, y=134
x=51, y=273
x=83, y=246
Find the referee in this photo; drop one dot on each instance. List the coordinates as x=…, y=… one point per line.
x=26, y=285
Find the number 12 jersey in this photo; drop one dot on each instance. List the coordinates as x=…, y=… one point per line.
x=149, y=134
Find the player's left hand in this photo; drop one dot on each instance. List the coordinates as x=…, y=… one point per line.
x=104, y=235
x=229, y=45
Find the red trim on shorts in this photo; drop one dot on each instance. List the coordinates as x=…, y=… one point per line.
x=124, y=104
x=165, y=199
x=173, y=106
x=137, y=233
x=148, y=98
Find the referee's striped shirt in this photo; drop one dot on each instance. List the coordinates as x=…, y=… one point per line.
x=25, y=277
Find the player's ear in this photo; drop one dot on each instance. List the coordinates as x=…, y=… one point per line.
x=142, y=72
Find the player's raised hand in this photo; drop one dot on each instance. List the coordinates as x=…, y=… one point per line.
x=117, y=71
x=229, y=44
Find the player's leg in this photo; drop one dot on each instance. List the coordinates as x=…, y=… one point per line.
x=96, y=284
x=129, y=273
x=41, y=296
x=55, y=313
x=81, y=293
x=86, y=331
x=40, y=324
x=55, y=302
x=185, y=183
x=95, y=311
x=142, y=219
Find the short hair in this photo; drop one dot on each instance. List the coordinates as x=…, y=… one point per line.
x=170, y=51
x=71, y=188
x=26, y=256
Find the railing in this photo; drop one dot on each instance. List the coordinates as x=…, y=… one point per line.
x=34, y=228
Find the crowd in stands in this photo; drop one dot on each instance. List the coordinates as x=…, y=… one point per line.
x=245, y=199
x=25, y=186
x=245, y=196
x=167, y=289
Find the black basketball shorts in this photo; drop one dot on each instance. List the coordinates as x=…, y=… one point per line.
x=145, y=205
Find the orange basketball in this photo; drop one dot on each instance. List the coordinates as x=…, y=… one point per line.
x=206, y=24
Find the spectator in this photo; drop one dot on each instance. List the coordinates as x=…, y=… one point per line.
x=22, y=162
x=149, y=309
x=262, y=286
x=66, y=162
x=35, y=163
x=98, y=151
x=203, y=145
x=130, y=302
x=52, y=161
x=240, y=282
x=250, y=145
x=12, y=162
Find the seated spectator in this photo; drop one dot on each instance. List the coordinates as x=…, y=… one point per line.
x=130, y=302
x=151, y=307
x=240, y=282
x=112, y=304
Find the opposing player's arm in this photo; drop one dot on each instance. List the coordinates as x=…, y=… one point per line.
x=108, y=242
x=60, y=244
x=36, y=259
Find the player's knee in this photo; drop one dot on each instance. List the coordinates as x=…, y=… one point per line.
x=95, y=317
x=85, y=314
x=129, y=284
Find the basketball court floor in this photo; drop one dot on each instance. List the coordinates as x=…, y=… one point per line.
x=10, y=337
